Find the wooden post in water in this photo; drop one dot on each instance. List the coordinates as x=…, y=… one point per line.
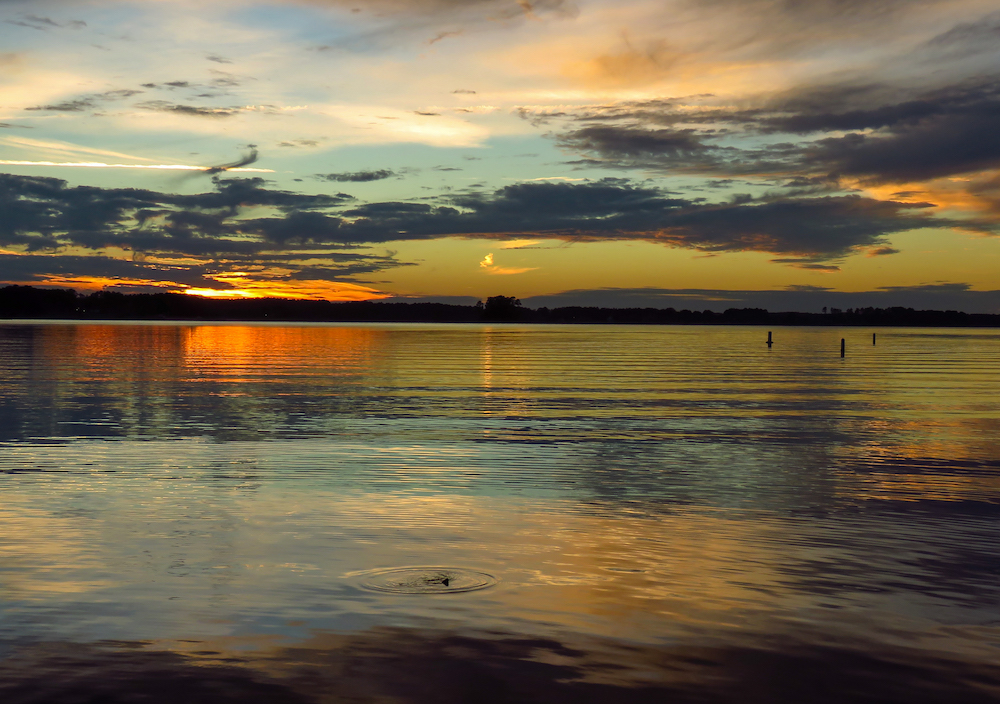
x=873, y=338
x=841, y=347
x=769, y=342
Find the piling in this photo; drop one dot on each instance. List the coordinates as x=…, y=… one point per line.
x=873, y=338
x=769, y=342
x=841, y=347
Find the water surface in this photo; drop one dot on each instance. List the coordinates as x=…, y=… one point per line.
x=673, y=513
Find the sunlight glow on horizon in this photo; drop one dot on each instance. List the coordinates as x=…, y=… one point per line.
x=221, y=293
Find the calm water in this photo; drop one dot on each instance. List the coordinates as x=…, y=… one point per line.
x=193, y=513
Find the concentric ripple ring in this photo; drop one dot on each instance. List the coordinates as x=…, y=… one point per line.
x=426, y=580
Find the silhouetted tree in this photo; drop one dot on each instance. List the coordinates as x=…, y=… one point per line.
x=502, y=308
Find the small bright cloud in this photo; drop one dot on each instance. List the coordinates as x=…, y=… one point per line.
x=494, y=270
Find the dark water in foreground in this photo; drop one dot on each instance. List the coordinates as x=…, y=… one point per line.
x=213, y=514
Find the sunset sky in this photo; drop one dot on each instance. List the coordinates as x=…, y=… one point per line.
x=685, y=153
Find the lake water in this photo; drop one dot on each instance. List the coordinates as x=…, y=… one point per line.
x=204, y=513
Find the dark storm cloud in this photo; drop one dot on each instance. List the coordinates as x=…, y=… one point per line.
x=27, y=268
x=244, y=216
x=358, y=176
x=938, y=145
x=632, y=145
x=892, y=136
x=232, y=194
x=820, y=228
x=30, y=268
x=346, y=269
x=44, y=213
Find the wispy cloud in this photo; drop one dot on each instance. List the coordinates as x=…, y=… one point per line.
x=58, y=147
x=162, y=167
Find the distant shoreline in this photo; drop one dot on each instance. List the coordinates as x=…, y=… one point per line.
x=27, y=302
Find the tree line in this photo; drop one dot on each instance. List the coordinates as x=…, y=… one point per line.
x=22, y=302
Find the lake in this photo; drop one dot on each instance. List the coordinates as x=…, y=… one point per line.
x=472, y=513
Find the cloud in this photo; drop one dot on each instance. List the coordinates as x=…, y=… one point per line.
x=250, y=158
x=555, y=178
x=495, y=270
x=519, y=244
x=509, y=271
x=46, y=214
x=494, y=8
x=968, y=38
x=778, y=29
x=358, y=176
x=810, y=299
x=957, y=142
x=78, y=105
x=65, y=148
x=882, y=251
x=630, y=65
x=682, y=150
x=86, y=102
x=191, y=110
x=245, y=216
x=38, y=268
x=812, y=141
x=102, y=165
x=254, y=273
x=823, y=227
x=45, y=23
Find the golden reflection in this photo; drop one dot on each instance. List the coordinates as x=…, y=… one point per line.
x=209, y=348
x=922, y=392
x=43, y=556
x=559, y=562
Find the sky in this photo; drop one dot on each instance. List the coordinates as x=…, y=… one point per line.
x=787, y=154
